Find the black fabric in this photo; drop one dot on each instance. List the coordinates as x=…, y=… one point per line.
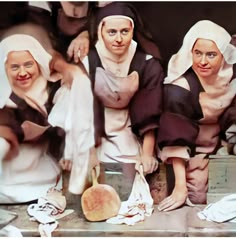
x=181, y=101
x=177, y=130
x=13, y=118
x=147, y=103
x=63, y=40
x=116, y=8
x=56, y=143
x=12, y=13
x=26, y=112
x=138, y=63
x=52, y=89
x=8, y=118
x=43, y=18
x=179, y=122
x=195, y=89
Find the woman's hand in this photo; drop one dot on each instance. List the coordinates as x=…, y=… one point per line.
x=66, y=164
x=79, y=47
x=149, y=163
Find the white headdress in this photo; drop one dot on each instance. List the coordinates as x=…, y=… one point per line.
x=205, y=29
x=21, y=42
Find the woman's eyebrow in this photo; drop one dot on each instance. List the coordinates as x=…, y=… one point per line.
x=14, y=64
x=28, y=62
x=211, y=52
x=197, y=50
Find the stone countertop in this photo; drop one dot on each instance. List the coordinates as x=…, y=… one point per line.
x=181, y=222
x=6, y=217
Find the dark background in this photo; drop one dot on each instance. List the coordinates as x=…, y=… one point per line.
x=167, y=21
x=170, y=21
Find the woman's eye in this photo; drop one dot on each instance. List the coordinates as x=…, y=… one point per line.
x=198, y=53
x=125, y=31
x=211, y=54
x=29, y=64
x=112, y=32
x=14, y=67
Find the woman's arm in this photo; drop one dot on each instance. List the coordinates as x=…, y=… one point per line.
x=59, y=64
x=150, y=164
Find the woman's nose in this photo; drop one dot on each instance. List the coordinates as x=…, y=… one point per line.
x=118, y=37
x=203, y=60
x=22, y=71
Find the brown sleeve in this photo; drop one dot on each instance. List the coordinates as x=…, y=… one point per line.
x=146, y=105
x=179, y=121
x=177, y=130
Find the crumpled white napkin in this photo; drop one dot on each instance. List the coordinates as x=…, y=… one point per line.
x=46, y=230
x=138, y=205
x=48, y=210
x=221, y=211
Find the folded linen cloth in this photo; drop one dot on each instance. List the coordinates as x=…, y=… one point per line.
x=222, y=211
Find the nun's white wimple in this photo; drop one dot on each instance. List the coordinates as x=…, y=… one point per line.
x=21, y=42
x=205, y=29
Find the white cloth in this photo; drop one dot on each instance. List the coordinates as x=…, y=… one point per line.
x=117, y=65
x=75, y=108
x=82, y=133
x=221, y=211
x=47, y=210
x=29, y=175
x=123, y=145
x=138, y=205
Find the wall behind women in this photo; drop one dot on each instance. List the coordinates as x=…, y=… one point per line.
x=167, y=21
x=170, y=21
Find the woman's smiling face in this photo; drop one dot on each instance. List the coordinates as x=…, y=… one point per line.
x=22, y=69
x=207, y=59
